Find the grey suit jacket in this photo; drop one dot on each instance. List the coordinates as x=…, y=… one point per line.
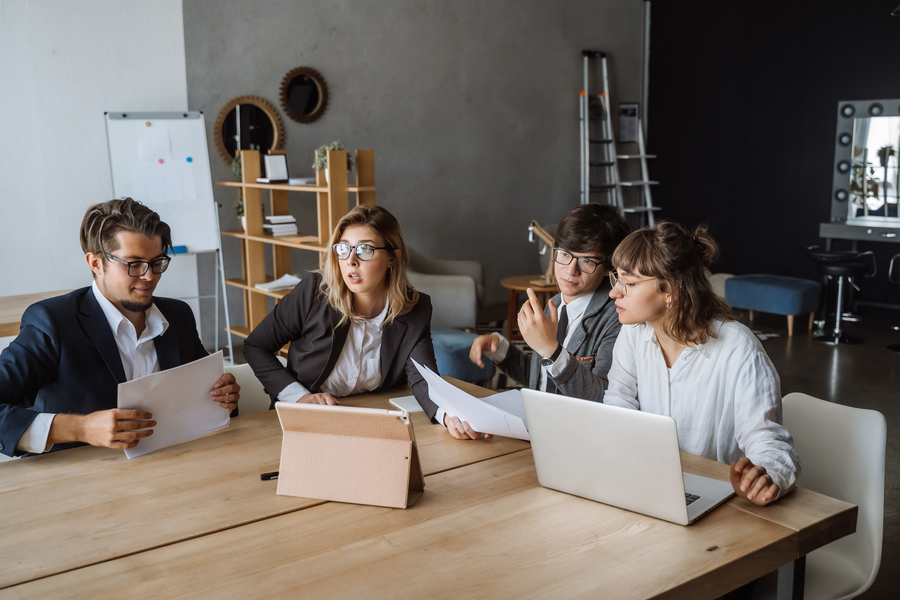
x=593, y=340
x=305, y=319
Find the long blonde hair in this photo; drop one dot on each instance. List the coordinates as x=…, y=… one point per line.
x=401, y=295
x=677, y=258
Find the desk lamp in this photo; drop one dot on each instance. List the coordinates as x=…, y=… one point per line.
x=549, y=277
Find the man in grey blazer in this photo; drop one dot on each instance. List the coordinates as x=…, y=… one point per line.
x=572, y=338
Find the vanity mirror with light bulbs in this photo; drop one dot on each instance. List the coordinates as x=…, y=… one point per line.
x=866, y=173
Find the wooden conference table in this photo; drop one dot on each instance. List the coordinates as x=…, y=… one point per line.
x=13, y=307
x=195, y=519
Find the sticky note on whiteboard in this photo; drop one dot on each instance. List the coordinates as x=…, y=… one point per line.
x=154, y=142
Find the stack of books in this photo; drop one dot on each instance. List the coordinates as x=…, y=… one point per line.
x=277, y=225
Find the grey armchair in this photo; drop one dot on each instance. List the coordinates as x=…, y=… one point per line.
x=456, y=288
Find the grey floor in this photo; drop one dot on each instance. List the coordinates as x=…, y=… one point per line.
x=865, y=375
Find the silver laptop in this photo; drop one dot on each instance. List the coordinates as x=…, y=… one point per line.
x=617, y=456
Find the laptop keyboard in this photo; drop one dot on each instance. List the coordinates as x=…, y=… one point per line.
x=690, y=497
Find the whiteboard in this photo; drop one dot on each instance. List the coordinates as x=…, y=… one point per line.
x=161, y=159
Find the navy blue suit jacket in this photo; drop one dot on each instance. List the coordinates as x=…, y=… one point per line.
x=65, y=360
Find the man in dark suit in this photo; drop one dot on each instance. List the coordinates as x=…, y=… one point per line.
x=59, y=377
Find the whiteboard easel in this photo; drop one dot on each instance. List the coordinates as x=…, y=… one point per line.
x=162, y=160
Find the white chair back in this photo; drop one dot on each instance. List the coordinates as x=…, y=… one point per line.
x=254, y=398
x=841, y=453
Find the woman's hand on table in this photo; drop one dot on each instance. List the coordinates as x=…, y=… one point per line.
x=752, y=482
x=320, y=398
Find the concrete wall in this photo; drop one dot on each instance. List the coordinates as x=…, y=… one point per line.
x=471, y=106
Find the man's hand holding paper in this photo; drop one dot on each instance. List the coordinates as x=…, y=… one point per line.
x=179, y=400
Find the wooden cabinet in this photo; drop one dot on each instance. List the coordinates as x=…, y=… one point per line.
x=332, y=203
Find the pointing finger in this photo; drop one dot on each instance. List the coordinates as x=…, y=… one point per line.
x=532, y=299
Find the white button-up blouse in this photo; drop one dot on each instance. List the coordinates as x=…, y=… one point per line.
x=724, y=395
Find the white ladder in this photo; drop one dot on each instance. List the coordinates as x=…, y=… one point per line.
x=608, y=158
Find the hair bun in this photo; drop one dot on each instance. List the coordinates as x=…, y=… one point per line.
x=706, y=247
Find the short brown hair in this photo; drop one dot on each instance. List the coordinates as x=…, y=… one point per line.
x=591, y=227
x=677, y=259
x=103, y=222
x=401, y=295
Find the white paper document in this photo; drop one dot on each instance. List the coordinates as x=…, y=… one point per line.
x=179, y=401
x=500, y=414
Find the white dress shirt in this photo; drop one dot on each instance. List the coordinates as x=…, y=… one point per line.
x=575, y=311
x=724, y=395
x=358, y=368
x=138, y=359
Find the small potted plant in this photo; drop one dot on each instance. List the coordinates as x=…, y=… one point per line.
x=321, y=161
x=238, y=206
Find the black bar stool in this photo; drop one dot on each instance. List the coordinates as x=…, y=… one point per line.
x=843, y=266
x=894, y=277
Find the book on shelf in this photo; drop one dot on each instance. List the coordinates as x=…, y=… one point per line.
x=302, y=181
x=276, y=169
x=279, y=219
x=278, y=230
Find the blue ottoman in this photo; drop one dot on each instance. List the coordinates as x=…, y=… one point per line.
x=774, y=294
x=451, y=349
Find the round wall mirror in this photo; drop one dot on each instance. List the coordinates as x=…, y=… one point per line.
x=248, y=123
x=304, y=94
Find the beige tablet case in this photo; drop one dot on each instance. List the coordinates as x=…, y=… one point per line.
x=349, y=454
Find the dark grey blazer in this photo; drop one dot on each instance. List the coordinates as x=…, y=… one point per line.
x=305, y=319
x=594, y=339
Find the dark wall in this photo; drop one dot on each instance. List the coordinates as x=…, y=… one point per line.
x=743, y=106
x=471, y=107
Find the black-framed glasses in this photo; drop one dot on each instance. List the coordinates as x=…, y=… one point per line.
x=363, y=251
x=624, y=285
x=585, y=264
x=137, y=268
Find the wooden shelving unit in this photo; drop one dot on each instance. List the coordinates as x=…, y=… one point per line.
x=332, y=203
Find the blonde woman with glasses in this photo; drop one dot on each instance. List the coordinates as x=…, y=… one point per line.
x=353, y=326
x=680, y=353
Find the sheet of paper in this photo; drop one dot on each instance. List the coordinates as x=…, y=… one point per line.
x=180, y=402
x=510, y=402
x=407, y=403
x=483, y=417
x=154, y=142
x=153, y=183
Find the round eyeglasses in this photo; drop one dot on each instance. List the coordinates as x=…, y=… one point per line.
x=137, y=268
x=585, y=264
x=364, y=252
x=624, y=285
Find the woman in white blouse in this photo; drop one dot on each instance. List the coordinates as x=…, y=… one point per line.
x=354, y=326
x=680, y=353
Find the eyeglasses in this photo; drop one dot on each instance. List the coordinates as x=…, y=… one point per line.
x=624, y=285
x=138, y=267
x=585, y=264
x=363, y=251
